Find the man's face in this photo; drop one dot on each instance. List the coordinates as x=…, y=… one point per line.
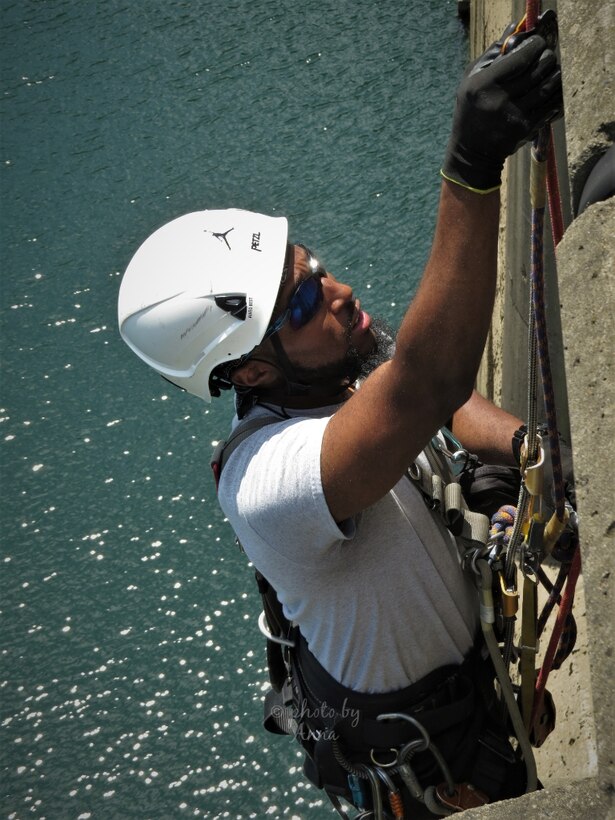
x=340, y=341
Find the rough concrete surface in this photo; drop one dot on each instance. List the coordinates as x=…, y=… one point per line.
x=487, y=21
x=579, y=801
x=587, y=33
x=569, y=753
x=587, y=284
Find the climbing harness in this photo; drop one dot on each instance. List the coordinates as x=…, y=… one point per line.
x=400, y=741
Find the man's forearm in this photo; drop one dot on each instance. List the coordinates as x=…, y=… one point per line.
x=444, y=331
x=486, y=430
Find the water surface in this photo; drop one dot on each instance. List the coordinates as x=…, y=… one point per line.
x=132, y=670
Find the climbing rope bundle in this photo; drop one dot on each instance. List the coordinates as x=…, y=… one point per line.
x=521, y=537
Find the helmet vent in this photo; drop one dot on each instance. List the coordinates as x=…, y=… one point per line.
x=233, y=303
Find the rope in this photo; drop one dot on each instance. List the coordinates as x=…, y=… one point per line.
x=555, y=594
x=543, y=181
x=539, y=154
x=568, y=637
x=545, y=185
x=558, y=630
x=503, y=522
x=532, y=12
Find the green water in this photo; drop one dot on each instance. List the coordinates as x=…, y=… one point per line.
x=132, y=669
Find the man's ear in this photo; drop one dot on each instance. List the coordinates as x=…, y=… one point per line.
x=256, y=373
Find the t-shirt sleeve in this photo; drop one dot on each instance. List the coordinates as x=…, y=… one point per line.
x=271, y=491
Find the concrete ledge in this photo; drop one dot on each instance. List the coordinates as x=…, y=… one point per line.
x=583, y=799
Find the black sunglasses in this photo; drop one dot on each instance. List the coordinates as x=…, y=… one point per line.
x=305, y=299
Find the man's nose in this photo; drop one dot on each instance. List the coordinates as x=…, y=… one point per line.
x=338, y=295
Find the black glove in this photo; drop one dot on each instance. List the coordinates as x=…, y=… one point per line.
x=502, y=102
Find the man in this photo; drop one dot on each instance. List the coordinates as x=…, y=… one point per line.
x=320, y=496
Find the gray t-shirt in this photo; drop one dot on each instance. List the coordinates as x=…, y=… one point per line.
x=381, y=598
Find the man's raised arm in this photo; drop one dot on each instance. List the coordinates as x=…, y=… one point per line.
x=368, y=444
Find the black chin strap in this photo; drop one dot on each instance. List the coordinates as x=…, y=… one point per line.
x=325, y=386
x=293, y=388
x=247, y=397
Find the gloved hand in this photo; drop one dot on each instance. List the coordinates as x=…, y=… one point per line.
x=502, y=102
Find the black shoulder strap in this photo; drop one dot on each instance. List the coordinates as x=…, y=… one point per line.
x=223, y=449
x=276, y=621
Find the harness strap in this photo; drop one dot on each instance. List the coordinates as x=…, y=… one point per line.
x=470, y=528
x=529, y=649
x=224, y=449
x=455, y=705
x=428, y=693
x=447, y=702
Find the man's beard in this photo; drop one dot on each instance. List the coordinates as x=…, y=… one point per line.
x=354, y=366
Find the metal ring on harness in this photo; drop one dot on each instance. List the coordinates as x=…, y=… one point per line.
x=529, y=571
x=428, y=745
x=269, y=635
x=390, y=765
x=412, y=746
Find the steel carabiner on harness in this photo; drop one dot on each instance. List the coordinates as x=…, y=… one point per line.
x=424, y=744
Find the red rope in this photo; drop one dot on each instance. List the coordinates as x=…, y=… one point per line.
x=533, y=8
x=560, y=622
x=532, y=12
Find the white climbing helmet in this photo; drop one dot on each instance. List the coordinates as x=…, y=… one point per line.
x=200, y=291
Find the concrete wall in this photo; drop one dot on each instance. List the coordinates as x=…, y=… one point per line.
x=577, y=762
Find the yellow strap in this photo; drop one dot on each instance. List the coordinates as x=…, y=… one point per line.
x=553, y=529
x=529, y=648
x=520, y=27
x=469, y=187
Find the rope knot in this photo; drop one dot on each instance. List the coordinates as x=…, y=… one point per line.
x=503, y=521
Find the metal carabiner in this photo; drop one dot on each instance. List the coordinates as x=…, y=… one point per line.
x=455, y=456
x=386, y=779
x=262, y=625
x=426, y=743
x=413, y=745
x=411, y=781
x=375, y=788
x=395, y=799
